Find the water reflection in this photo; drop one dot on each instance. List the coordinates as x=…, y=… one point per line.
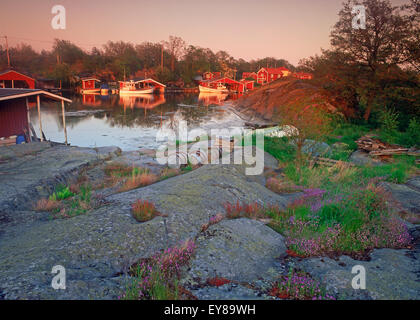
x=131, y=122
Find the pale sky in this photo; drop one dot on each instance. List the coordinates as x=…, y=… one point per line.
x=249, y=29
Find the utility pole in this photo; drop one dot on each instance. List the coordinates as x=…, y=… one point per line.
x=7, y=50
x=161, y=56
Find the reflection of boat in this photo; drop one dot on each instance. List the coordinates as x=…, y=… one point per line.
x=91, y=99
x=206, y=98
x=145, y=101
x=217, y=88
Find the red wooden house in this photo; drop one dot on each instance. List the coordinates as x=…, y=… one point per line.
x=211, y=75
x=266, y=75
x=14, y=79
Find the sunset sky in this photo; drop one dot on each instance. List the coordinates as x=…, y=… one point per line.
x=289, y=29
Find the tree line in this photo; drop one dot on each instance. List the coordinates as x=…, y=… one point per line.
x=168, y=61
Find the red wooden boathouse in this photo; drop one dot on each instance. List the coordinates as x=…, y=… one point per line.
x=14, y=111
x=14, y=79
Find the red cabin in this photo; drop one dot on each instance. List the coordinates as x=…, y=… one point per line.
x=266, y=75
x=14, y=79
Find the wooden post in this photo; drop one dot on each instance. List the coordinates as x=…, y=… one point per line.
x=161, y=57
x=29, y=120
x=13, y=83
x=7, y=50
x=38, y=103
x=64, y=121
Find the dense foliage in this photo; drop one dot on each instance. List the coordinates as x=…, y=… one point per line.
x=373, y=69
x=181, y=62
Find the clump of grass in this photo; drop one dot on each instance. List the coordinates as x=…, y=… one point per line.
x=47, y=205
x=281, y=186
x=136, y=181
x=299, y=286
x=64, y=203
x=61, y=193
x=156, y=278
x=252, y=211
x=143, y=210
x=121, y=170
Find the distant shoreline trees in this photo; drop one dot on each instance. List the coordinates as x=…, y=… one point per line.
x=118, y=58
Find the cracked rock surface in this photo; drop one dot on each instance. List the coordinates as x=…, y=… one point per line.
x=97, y=247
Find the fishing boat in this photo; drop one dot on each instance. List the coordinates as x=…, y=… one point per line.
x=218, y=88
x=135, y=88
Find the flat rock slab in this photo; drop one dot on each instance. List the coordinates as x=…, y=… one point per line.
x=240, y=249
x=407, y=195
x=33, y=170
x=95, y=247
x=390, y=275
x=362, y=158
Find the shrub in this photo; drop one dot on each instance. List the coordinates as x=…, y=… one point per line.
x=299, y=286
x=389, y=121
x=345, y=224
x=143, y=210
x=253, y=211
x=412, y=136
x=156, y=278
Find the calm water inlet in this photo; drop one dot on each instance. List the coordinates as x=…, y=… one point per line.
x=131, y=122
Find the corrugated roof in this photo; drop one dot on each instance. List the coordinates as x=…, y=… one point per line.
x=14, y=93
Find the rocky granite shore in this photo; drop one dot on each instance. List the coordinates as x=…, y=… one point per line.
x=98, y=247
